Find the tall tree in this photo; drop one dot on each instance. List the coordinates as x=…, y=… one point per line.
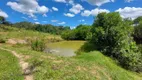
x=112, y=36
x=138, y=33
x=137, y=20
x=2, y=19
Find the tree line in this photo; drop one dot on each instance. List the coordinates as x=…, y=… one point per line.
x=47, y=28
x=81, y=32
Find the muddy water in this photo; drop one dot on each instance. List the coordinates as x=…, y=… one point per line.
x=64, y=48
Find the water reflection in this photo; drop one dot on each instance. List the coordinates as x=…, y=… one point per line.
x=64, y=48
x=61, y=51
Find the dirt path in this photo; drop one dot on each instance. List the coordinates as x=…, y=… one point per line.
x=27, y=73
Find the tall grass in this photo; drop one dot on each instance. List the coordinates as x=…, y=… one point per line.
x=38, y=45
x=9, y=67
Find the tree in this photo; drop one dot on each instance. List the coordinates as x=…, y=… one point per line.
x=137, y=20
x=2, y=19
x=25, y=25
x=138, y=30
x=81, y=32
x=112, y=36
x=69, y=35
x=138, y=33
x=103, y=30
x=128, y=20
x=7, y=23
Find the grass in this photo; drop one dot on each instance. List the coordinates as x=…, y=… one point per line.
x=9, y=67
x=109, y=66
x=11, y=32
x=88, y=66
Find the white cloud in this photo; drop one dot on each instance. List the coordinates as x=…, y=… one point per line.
x=131, y=12
x=62, y=23
x=55, y=9
x=2, y=13
x=61, y=1
x=76, y=9
x=29, y=7
x=94, y=12
x=86, y=13
x=69, y=14
x=54, y=20
x=65, y=1
x=25, y=18
x=82, y=20
x=98, y=2
x=37, y=23
x=44, y=21
x=73, y=27
x=44, y=15
x=128, y=0
x=35, y=19
x=71, y=2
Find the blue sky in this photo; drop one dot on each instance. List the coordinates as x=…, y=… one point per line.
x=66, y=12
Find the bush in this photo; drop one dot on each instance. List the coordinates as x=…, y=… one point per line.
x=2, y=40
x=140, y=47
x=38, y=45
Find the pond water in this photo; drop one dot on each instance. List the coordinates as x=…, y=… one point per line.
x=64, y=48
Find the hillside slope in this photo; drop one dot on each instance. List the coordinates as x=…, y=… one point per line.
x=88, y=66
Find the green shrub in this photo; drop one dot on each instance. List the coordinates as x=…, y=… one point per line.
x=140, y=47
x=2, y=40
x=38, y=45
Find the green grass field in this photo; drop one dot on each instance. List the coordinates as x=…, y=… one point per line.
x=9, y=67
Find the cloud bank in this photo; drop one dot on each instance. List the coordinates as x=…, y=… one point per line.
x=29, y=7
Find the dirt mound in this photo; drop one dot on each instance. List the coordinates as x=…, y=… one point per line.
x=16, y=41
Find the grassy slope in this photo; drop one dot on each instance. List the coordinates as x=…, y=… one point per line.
x=9, y=67
x=11, y=32
x=88, y=66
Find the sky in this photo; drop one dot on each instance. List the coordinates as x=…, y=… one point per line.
x=66, y=12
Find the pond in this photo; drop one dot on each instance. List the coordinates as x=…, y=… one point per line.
x=64, y=48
